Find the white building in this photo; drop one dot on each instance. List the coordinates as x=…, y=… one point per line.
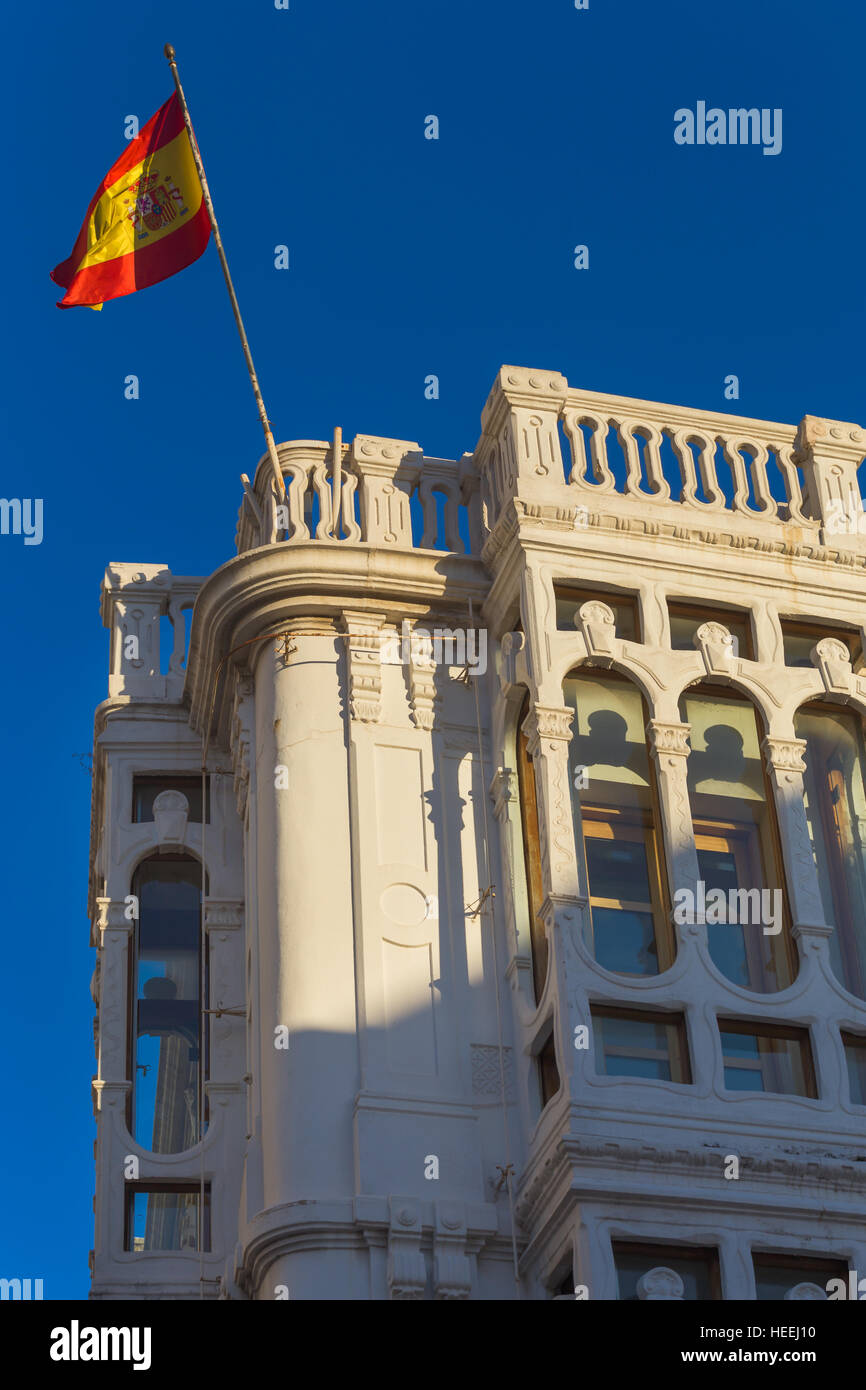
x=537, y=944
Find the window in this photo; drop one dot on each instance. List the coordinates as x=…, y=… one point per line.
x=145, y=789
x=628, y=926
x=776, y=1274
x=160, y=1216
x=548, y=1072
x=737, y=842
x=686, y=618
x=648, y=1045
x=835, y=796
x=855, y=1058
x=166, y=1014
x=767, y=1057
x=569, y=599
x=698, y=1268
x=532, y=857
x=798, y=639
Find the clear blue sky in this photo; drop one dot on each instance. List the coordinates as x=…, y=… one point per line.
x=408, y=257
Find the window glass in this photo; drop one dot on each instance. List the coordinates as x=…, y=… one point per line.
x=145, y=790
x=166, y=1028
x=736, y=842
x=798, y=639
x=685, y=619
x=776, y=1274
x=648, y=1046
x=855, y=1058
x=698, y=1269
x=161, y=1218
x=835, y=798
x=760, y=1060
x=628, y=927
x=624, y=607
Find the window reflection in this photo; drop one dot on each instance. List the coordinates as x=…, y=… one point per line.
x=735, y=838
x=836, y=813
x=167, y=1020
x=629, y=928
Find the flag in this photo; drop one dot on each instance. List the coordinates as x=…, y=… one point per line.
x=146, y=220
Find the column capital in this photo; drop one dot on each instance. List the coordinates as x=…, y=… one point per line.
x=547, y=722
x=784, y=755
x=668, y=738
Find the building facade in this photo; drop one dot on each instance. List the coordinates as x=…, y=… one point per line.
x=478, y=889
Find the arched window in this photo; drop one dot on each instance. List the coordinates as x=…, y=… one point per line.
x=836, y=811
x=166, y=1017
x=612, y=779
x=742, y=884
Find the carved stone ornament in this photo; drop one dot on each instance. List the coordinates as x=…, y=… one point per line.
x=407, y=1269
x=668, y=738
x=171, y=812
x=716, y=645
x=597, y=624
x=833, y=660
x=660, y=1285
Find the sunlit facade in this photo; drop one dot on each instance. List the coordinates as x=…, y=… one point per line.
x=523, y=957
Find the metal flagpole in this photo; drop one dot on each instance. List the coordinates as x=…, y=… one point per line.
x=196, y=154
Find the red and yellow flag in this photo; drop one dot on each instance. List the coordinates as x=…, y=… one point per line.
x=146, y=220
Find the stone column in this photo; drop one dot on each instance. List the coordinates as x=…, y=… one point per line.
x=784, y=760
x=670, y=750
x=305, y=929
x=548, y=730
x=829, y=453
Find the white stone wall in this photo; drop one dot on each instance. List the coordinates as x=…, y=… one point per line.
x=364, y=806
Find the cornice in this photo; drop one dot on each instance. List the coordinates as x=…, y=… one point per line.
x=261, y=590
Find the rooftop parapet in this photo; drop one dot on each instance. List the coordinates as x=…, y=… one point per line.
x=545, y=444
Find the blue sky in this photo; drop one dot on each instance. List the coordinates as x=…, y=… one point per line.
x=407, y=257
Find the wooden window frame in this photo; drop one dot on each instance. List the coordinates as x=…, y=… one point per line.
x=766, y=1061
x=659, y=1254
x=848, y=634
x=771, y=858
x=158, y=1186
x=578, y=594
x=677, y=1055
x=854, y=1041
x=621, y=824
x=709, y=613
x=833, y=832
x=531, y=832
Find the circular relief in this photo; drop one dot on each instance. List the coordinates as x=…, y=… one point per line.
x=404, y=904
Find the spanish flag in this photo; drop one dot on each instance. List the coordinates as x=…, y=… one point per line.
x=146, y=220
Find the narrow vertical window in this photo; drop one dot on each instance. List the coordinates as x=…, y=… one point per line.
x=166, y=1022
x=532, y=856
x=737, y=842
x=836, y=812
x=613, y=786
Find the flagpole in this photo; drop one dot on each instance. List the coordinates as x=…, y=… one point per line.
x=196, y=154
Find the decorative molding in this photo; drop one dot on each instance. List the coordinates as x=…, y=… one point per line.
x=833, y=660
x=407, y=1268
x=364, y=664
x=547, y=722
x=668, y=739
x=784, y=754
x=487, y=1071
x=452, y=1269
